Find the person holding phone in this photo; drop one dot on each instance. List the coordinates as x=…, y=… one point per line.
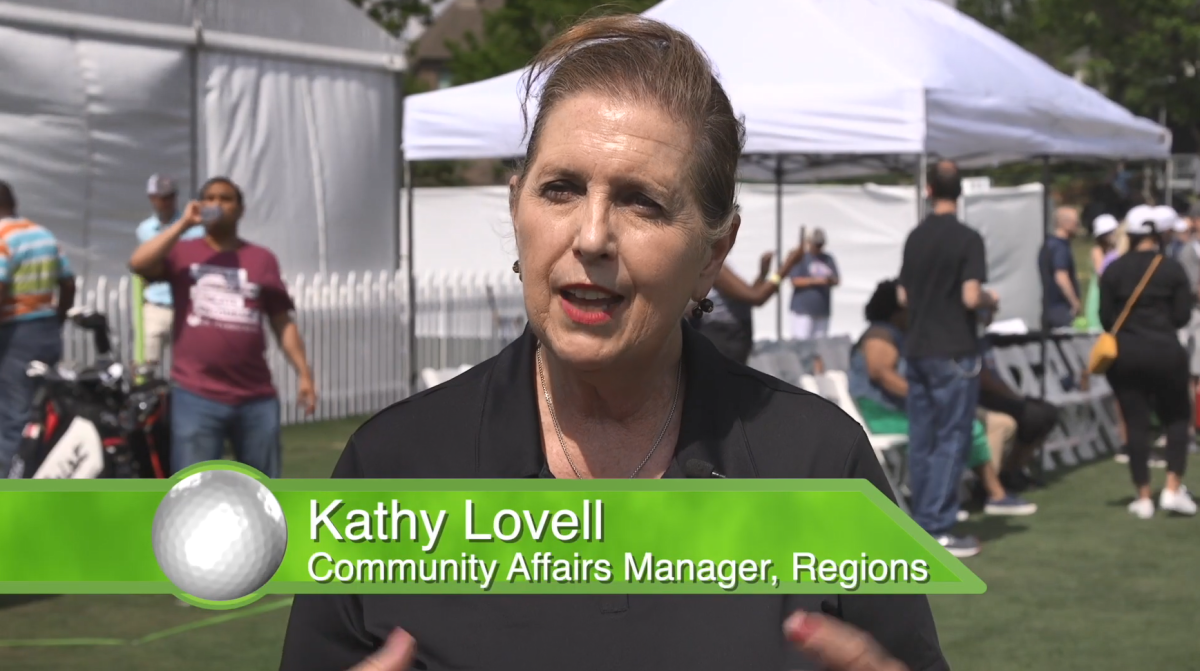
x=224, y=288
x=157, y=311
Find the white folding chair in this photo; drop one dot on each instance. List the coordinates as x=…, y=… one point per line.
x=835, y=386
x=809, y=383
x=431, y=377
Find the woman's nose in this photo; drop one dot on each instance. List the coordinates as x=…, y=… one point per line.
x=595, y=236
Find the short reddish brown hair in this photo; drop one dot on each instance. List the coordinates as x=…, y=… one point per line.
x=632, y=57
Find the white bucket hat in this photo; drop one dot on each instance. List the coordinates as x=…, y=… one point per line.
x=1140, y=220
x=1104, y=224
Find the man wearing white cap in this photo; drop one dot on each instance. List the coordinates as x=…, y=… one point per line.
x=157, y=312
x=1166, y=222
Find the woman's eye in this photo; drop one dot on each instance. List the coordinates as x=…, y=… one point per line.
x=645, y=203
x=559, y=191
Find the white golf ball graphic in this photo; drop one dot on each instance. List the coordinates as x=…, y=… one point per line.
x=219, y=535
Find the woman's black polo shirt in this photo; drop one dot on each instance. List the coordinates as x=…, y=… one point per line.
x=484, y=424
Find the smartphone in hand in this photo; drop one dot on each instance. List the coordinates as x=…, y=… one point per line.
x=210, y=214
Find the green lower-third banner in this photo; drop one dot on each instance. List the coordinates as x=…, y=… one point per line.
x=221, y=535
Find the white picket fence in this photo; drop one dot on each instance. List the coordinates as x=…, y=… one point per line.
x=355, y=328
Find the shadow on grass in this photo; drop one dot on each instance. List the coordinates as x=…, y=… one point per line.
x=991, y=528
x=14, y=600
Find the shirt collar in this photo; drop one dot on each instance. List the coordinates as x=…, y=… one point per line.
x=509, y=444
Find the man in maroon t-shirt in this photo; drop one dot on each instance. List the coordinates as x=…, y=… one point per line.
x=222, y=288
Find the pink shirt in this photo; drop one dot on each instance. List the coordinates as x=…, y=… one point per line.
x=221, y=301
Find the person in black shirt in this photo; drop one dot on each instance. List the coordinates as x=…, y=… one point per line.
x=623, y=212
x=941, y=280
x=1150, y=373
x=1060, y=282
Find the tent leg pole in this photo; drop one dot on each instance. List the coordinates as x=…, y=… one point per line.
x=1168, y=177
x=399, y=176
x=1047, y=203
x=413, y=373
x=921, y=176
x=779, y=242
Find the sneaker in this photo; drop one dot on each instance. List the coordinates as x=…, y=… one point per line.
x=1157, y=462
x=1121, y=457
x=1011, y=506
x=1178, y=501
x=1142, y=508
x=962, y=515
x=960, y=546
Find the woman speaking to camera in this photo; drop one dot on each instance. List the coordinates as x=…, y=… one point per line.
x=624, y=211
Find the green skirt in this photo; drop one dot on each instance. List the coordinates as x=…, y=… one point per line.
x=887, y=421
x=1091, y=306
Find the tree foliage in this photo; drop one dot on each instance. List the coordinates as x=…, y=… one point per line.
x=1143, y=54
x=393, y=15
x=514, y=33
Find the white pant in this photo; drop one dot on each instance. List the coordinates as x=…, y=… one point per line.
x=808, y=327
x=156, y=331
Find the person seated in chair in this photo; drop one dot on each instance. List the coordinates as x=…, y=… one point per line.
x=1017, y=425
x=880, y=389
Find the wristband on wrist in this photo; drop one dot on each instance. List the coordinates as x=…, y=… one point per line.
x=775, y=279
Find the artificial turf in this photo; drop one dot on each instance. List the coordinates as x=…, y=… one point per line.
x=1081, y=585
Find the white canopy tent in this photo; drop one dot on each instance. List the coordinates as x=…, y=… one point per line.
x=296, y=100
x=831, y=88
x=841, y=77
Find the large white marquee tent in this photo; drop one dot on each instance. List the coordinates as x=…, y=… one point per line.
x=841, y=77
x=297, y=100
x=842, y=87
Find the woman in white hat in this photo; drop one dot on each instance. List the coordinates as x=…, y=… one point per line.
x=1151, y=370
x=1104, y=252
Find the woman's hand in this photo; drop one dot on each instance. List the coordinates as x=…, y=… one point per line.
x=837, y=645
x=764, y=264
x=395, y=655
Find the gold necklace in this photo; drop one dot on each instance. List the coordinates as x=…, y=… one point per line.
x=558, y=429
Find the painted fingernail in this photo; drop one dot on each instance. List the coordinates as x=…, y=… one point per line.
x=801, y=627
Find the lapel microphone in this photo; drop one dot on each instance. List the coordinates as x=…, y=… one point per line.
x=695, y=468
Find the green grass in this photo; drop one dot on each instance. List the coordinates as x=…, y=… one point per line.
x=1081, y=585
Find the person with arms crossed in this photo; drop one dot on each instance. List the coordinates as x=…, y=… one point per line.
x=623, y=212
x=941, y=282
x=1060, y=282
x=32, y=268
x=223, y=288
x=813, y=279
x=157, y=313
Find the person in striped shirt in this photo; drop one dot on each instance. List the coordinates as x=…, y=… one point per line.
x=36, y=290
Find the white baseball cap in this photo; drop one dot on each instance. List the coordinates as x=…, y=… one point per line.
x=1104, y=224
x=160, y=185
x=1140, y=220
x=1165, y=217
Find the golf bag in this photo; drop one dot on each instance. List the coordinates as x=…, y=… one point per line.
x=94, y=422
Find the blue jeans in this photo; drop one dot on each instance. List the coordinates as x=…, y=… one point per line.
x=199, y=428
x=942, y=396
x=20, y=344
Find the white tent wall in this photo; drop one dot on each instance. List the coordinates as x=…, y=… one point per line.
x=1011, y=221
x=468, y=230
x=83, y=123
x=313, y=146
x=865, y=227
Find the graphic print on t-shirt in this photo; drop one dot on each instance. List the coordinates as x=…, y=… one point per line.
x=819, y=268
x=221, y=297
